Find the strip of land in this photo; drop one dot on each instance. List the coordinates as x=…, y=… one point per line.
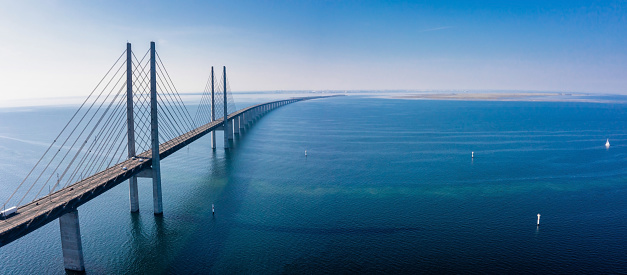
x=471, y=96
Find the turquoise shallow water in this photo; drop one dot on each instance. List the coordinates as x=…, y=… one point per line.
x=387, y=186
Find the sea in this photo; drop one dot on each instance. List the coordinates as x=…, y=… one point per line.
x=386, y=186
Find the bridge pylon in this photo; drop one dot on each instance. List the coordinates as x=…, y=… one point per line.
x=130, y=122
x=154, y=172
x=213, y=108
x=157, y=198
x=219, y=109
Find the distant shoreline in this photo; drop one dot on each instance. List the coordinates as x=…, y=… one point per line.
x=531, y=97
x=408, y=95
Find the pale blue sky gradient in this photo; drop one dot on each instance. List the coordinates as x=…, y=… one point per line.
x=62, y=48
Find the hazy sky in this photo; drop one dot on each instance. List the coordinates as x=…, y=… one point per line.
x=61, y=48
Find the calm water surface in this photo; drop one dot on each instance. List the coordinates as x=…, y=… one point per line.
x=387, y=186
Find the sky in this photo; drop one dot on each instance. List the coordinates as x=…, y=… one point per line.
x=62, y=48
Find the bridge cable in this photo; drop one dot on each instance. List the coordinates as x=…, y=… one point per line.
x=181, y=109
x=64, y=128
x=83, y=144
x=119, y=119
x=168, y=95
x=200, y=117
x=177, y=93
x=163, y=101
x=96, y=146
x=77, y=138
x=71, y=134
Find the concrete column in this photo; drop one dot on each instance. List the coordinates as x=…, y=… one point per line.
x=154, y=136
x=231, y=129
x=236, y=125
x=213, y=109
x=133, y=194
x=227, y=132
x=71, y=242
x=213, y=139
x=242, y=123
x=130, y=127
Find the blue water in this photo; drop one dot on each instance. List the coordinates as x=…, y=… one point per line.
x=387, y=186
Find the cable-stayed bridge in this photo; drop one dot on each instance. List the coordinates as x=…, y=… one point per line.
x=131, y=120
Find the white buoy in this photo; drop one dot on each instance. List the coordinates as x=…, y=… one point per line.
x=213, y=210
x=305, y=152
x=538, y=219
x=472, y=155
x=607, y=143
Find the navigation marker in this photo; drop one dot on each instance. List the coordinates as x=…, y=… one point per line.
x=538, y=220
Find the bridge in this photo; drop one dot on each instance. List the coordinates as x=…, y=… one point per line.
x=142, y=111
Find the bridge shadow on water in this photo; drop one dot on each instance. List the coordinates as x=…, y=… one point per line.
x=189, y=239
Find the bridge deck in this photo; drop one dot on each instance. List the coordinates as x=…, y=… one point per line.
x=39, y=212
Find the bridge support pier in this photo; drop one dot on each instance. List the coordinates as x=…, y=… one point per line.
x=236, y=125
x=133, y=194
x=71, y=242
x=226, y=133
x=231, y=129
x=242, y=124
x=213, y=139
